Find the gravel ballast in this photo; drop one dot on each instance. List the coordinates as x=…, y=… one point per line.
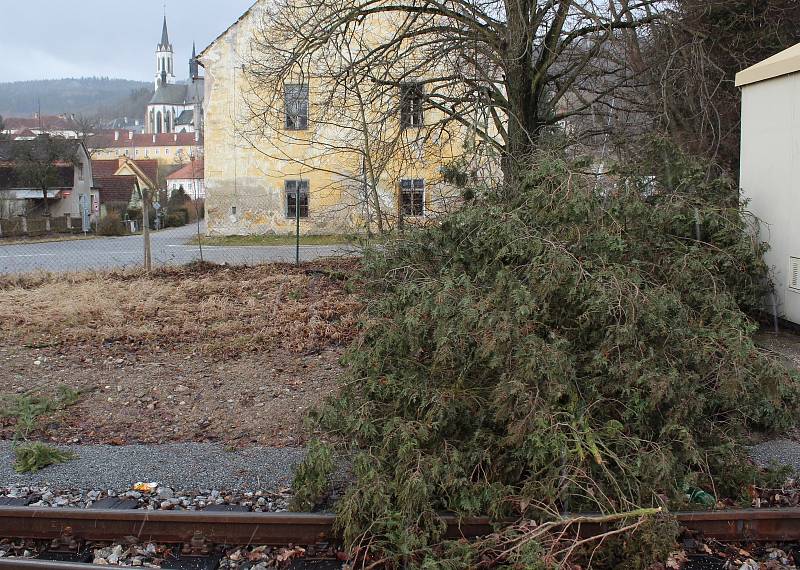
x=782, y=452
x=211, y=466
x=180, y=466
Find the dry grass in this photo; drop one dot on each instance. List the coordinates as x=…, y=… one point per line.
x=204, y=310
x=200, y=353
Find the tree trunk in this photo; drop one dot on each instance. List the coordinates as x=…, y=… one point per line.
x=46, y=203
x=521, y=90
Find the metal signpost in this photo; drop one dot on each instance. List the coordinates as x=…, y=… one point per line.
x=297, y=220
x=85, y=206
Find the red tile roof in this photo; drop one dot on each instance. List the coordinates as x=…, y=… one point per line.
x=9, y=178
x=128, y=140
x=102, y=168
x=48, y=123
x=189, y=172
x=149, y=167
x=115, y=189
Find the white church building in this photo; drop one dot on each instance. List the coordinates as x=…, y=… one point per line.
x=176, y=107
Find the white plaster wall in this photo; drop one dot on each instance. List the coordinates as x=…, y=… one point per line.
x=770, y=176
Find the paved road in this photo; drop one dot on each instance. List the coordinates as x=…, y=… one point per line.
x=168, y=248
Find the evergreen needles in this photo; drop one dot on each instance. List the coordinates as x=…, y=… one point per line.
x=33, y=457
x=553, y=347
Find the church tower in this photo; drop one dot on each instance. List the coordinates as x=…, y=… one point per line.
x=165, y=70
x=194, y=67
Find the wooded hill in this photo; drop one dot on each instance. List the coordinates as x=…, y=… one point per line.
x=94, y=96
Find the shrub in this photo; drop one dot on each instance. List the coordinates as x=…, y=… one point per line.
x=554, y=348
x=33, y=457
x=176, y=219
x=197, y=209
x=111, y=225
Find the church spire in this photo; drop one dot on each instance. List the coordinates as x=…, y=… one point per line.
x=165, y=36
x=165, y=70
x=194, y=68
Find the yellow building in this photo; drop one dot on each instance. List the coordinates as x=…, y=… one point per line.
x=168, y=149
x=268, y=146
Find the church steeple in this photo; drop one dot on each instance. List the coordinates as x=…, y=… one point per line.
x=194, y=68
x=165, y=37
x=165, y=69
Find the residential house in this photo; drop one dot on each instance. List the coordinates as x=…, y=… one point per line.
x=117, y=193
x=259, y=183
x=68, y=199
x=121, y=181
x=190, y=178
x=770, y=169
x=166, y=148
x=20, y=128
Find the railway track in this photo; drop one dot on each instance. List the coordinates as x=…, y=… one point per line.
x=199, y=532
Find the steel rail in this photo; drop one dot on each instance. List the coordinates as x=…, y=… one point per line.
x=278, y=529
x=270, y=529
x=23, y=564
x=757, y=525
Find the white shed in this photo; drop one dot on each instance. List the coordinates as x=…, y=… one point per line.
x=770, y=167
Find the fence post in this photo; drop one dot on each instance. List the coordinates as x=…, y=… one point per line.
x=146, y=231
x=24, y=224
x=47, y=227
x=69, y=221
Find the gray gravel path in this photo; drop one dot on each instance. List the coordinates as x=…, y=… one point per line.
x=180, y=466
x=781, y=451
x=208, y=466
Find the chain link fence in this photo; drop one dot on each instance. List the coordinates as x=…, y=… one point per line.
x=41, y=244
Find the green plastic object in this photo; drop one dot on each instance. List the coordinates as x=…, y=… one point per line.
x=700, y=497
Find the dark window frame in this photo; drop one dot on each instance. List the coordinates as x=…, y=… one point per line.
x=290, y=198
x=296, y=104
x=412, y=105
x=412, y=197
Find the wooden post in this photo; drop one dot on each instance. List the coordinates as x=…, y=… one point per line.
x=148, y=262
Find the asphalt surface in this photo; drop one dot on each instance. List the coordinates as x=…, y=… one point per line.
x=180, y=466
x=169, y=247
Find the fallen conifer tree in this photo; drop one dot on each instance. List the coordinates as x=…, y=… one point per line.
x=553, y=348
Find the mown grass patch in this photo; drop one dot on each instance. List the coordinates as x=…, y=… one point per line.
x=272, y=240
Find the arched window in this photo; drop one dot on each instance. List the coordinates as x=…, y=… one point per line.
x=159, y=124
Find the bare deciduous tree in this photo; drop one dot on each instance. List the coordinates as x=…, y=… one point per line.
x=504, y=71
x=40, y=164
x=688, y=63
x=85, y=128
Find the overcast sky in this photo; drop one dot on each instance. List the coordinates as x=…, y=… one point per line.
x=51, y=39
